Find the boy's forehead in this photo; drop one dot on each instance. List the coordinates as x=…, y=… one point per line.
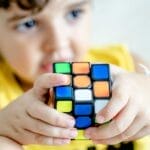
x=65, y=3
x=58, y=4
x=61, y=3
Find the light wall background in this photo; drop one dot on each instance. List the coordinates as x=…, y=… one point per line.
x=123, y=21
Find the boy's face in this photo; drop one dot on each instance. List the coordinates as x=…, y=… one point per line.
x=60, y=32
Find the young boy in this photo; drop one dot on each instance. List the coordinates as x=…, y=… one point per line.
x=33, y=35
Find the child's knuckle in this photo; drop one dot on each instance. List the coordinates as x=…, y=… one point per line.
x=38, y=139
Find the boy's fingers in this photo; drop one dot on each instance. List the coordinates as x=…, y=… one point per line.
x=49, y=80
x=119, y=97
x=49, y=115
x=116, y=103
x=33, y=138
x=142, y=133
x=42, y=128
x=116, y=126
x=135, y=128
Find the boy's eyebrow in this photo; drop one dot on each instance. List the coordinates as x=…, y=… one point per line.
x=80, y=3
x=16, y=18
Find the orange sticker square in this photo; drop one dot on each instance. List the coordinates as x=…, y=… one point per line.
x=81, y=68
x=81, y=81
x=101, y=89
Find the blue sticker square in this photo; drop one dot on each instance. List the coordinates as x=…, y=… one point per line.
x=83, y=122
x=100, y=72
x=64, y=92
x=83, y=109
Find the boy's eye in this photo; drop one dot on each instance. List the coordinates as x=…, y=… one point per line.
x=26, y=25
x=74, y=14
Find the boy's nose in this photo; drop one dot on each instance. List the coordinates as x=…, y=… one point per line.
x=55, y=37
x=57, y=42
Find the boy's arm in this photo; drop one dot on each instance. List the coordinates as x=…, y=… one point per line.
x=8, y=144
x=139, y=60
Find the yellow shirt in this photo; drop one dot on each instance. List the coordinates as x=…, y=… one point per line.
x=118, y=55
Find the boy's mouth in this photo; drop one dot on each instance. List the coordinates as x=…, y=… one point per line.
x=48, y=66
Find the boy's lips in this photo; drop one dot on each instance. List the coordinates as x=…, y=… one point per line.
x=46, y=67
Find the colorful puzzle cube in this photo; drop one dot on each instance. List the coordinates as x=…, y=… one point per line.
x=88, y=92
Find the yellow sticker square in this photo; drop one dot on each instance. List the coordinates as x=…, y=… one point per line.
x=64, y=106
x=80, y=135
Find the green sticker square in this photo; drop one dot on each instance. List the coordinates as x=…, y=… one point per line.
x=62, y=67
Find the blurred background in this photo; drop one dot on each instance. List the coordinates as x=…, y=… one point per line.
x=123, y=21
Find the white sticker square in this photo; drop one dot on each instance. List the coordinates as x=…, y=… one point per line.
x=83, y=95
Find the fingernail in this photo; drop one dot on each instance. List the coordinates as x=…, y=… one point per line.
x=100, y=119
x=73, y=133
x=71, y=123
x=65, y=79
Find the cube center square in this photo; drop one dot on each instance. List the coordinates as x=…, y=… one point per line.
x=88, y=92
x=82, y=81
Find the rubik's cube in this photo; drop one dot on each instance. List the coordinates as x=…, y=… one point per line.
x=88, y=92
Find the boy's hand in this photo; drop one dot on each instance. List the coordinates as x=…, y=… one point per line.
x=128, y=109
x=28, y=120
